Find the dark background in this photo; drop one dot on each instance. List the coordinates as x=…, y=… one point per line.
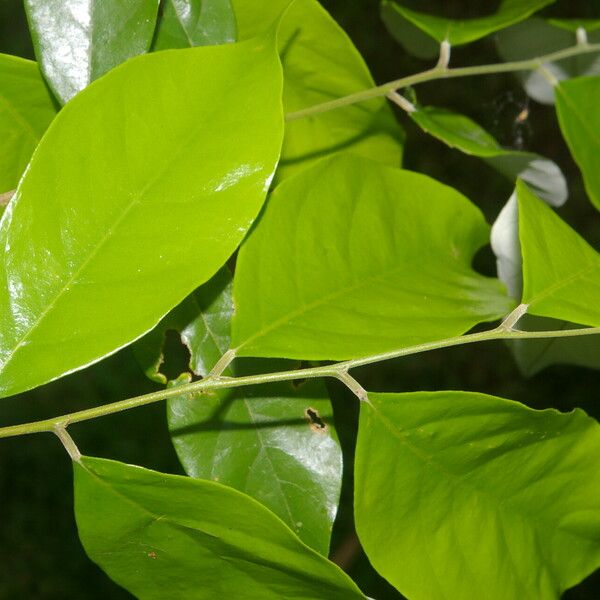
x=40, y=555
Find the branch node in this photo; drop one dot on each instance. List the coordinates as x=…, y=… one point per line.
x=222, y=364
x=67, y=441
x=444, y=59
x=353, y=385
x=581, y=36
x=401, y=101
x=512, y=319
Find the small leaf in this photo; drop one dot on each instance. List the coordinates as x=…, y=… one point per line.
x=476, y=496
x=75, y=42
x=96, y=261
x=458, y=131
x=577, y=103
x=320, y=63
x=537, y=37
x=560, y=269
x=463, y=31
x=26, y=110
x=352, y=258
x=188, y=23
x=165, y=536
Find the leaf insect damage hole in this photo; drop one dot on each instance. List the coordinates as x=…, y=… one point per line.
x=315, y=421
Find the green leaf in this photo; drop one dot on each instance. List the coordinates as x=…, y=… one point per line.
x=573, y=25
x=188, y=23
x=560, y=269
x=274, y=442
x=133, y=199
x=476, y=496
x=353, y=258
x=577, y=103
x=320, y=63
x=75, y=42
x=165, y=536
x=463, y=31
x=254, y=17
x=26, y=110
x=536, y=37
x=460, y=132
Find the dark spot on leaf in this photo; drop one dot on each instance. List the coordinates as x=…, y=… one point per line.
x=314, y=419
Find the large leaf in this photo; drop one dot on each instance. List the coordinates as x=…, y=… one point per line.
x=187, y=23
x=320, y=63
x=461, y=495
x=353, y=258
x=560, y=269
x=460, y=132
x=76, y=41
x=536, y=37
x=26, y=110
x=463, y=31
x=577, y=105
x=165, y=536
x=275, y=442
x=140, y=190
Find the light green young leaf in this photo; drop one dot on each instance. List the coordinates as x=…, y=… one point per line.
x=560, y=269
x=187, y=23
x=131, y=188
x=76, y=41
x=320, y=63
x=353, y=258
x=165, y=536
x=260, y=439
x=476, y=496
x=577, y=106
x=463, y=31
x=536, y=37
x=460, y=132
x=26, y=110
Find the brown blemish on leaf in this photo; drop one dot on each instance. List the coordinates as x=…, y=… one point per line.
x=315, y=421
x=152, y=554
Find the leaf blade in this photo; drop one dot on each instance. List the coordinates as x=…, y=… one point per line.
x=508, y=490
x=158, y=534
x=80, y=257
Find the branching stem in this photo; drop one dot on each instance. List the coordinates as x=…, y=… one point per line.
x=59, y=424
x=441, y=72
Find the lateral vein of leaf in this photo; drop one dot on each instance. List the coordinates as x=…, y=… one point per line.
x=209, y=383
x=20, y=118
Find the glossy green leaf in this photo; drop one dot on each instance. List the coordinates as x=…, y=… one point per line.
x=320, y=63
x=577, y=106
x=165, y=536
x=26, y=110
x=463, y=31
x=87, y=255
x=560, y=269
x=573, y=25
x=536, y=37
x=187, y=23
x=76, y=41
x=460, y=132
x=274, y=442
x=476, y=496
x=352, y=258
